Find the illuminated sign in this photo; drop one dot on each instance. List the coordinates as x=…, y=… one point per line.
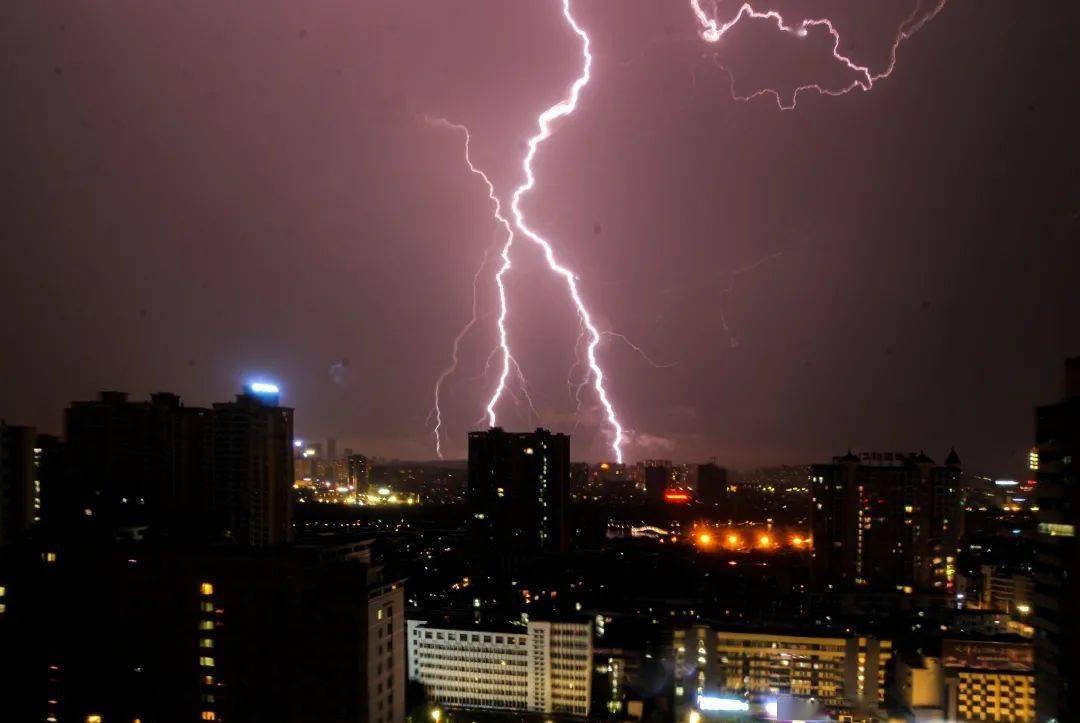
x=676, y=497
x=1005, y=482
x=987, y=655
x=715, y=703
x=263, y=388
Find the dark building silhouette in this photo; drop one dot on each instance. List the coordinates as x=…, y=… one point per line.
x=518, y=487
x=359, y=471
x=181, y=470
x=252, y=467
x=133, y=463
x=886, y=521
x=657, y=479
x=712, y=482
x=17, y=481
x=1055, y=461
x=144, y=632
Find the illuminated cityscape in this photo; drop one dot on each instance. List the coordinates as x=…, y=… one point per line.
x=565, y=361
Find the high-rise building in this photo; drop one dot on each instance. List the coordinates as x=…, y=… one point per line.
x=887, y=521
x=331, y=448
x=988, y=680
x=252, y=461
x=193, y=470
x=134, y=462
x=539, y=667
x=18, y=499
x=359, y=473
x=518, y=487
x=228, y=633
x=1055, y=462
x=657, y=480
x=841, y=671
x=712, y=482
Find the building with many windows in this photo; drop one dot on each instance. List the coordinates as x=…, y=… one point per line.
x=840, y=672
x=518, y=488
x=142, y=631
x=538, y=667
x=1055, y=463
x=886, y=521
x=989, y=680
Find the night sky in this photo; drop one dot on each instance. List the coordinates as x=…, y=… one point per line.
x=199, y=192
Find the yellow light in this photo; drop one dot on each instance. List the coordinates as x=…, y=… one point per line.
x=764, y=541
x=436, y=714
x=797, y=541
x=93, y=718
x=206, y=589
x=1023, y=608
x=695, y=717
x=733, y=540
x=704, y=539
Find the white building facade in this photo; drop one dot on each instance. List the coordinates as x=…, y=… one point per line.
x=541, y=667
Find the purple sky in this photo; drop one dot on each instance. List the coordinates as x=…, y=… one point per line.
x=196, y=192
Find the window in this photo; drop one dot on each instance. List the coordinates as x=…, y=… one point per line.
x=206, y=662
x=209, y=715
x=206, y=606
x=379, y=614
x=206, y=625
x=206, y=643
x=206, y=589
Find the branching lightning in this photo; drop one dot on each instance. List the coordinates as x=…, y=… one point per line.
x=712, y=31
x=504, y=341
x=561, y=109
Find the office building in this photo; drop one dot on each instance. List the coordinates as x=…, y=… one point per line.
x=228, y=633
x=538, y=667
x=1006, y=590
x=19, y=498
x=1055, y=464
x=989, y=680
x=712, y=481
x=518, y=488
x=841, y=672
x=252, y=462
x=886, y=521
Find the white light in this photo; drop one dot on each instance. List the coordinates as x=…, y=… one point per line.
x=1005, y=482
x=263, y=388
x=712, y=702
x=770, y=708
x=298, y=443
x=384, y=491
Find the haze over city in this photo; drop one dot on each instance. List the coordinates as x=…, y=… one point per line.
x=198, y=194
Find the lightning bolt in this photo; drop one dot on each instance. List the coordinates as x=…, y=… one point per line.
x=561, y=109
x=504, y=340
x=712, y=31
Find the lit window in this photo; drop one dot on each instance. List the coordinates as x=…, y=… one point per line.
x=206, y=643
x=379, y=614
x=206, y=606
x=209, y=715
x=206, y=589
x=93, y=718
x=206, y=662
x=208, y=680
x=3, y=591
x=49, y=557
x=206, y=625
